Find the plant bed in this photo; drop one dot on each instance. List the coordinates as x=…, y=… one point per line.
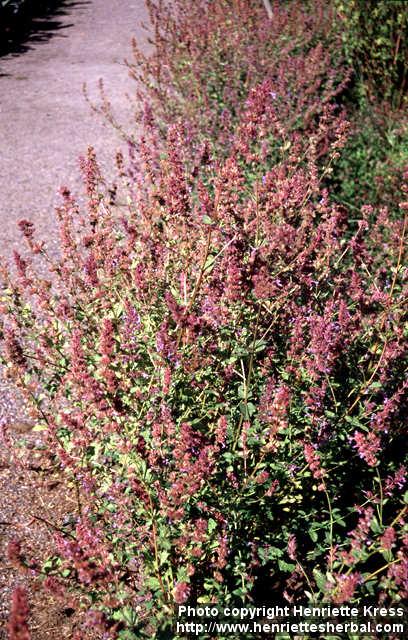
x=217, y=356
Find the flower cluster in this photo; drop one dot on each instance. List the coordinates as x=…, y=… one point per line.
x=18, y=622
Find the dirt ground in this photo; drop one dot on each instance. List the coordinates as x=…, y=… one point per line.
x=34, y=501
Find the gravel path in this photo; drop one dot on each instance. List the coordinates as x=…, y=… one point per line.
x=45, y=124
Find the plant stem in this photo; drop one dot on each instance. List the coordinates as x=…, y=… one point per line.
x=331, y=525
x=268, y=8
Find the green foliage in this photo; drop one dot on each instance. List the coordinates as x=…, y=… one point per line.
x=374, y=158
x=374, y=34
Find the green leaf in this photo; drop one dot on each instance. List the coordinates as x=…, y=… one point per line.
x=153, y=583
x=212, y=525
x=375, y=525
x=204, y=599
x=321, y=580
x=39, y=427
x=286, y=566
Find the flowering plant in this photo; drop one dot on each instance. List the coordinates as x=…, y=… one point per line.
x=218, y=365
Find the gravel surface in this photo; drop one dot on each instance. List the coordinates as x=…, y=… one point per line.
x=45, y=125
x=45, y=122
x=35, y=498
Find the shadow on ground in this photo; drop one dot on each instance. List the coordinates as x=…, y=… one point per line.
x=39, y=22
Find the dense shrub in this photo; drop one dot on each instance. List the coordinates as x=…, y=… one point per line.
x=372, y=165
x=374, y=34
x=206, y=79
x=374, y=43
x=218, y=364
x=207, y=57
